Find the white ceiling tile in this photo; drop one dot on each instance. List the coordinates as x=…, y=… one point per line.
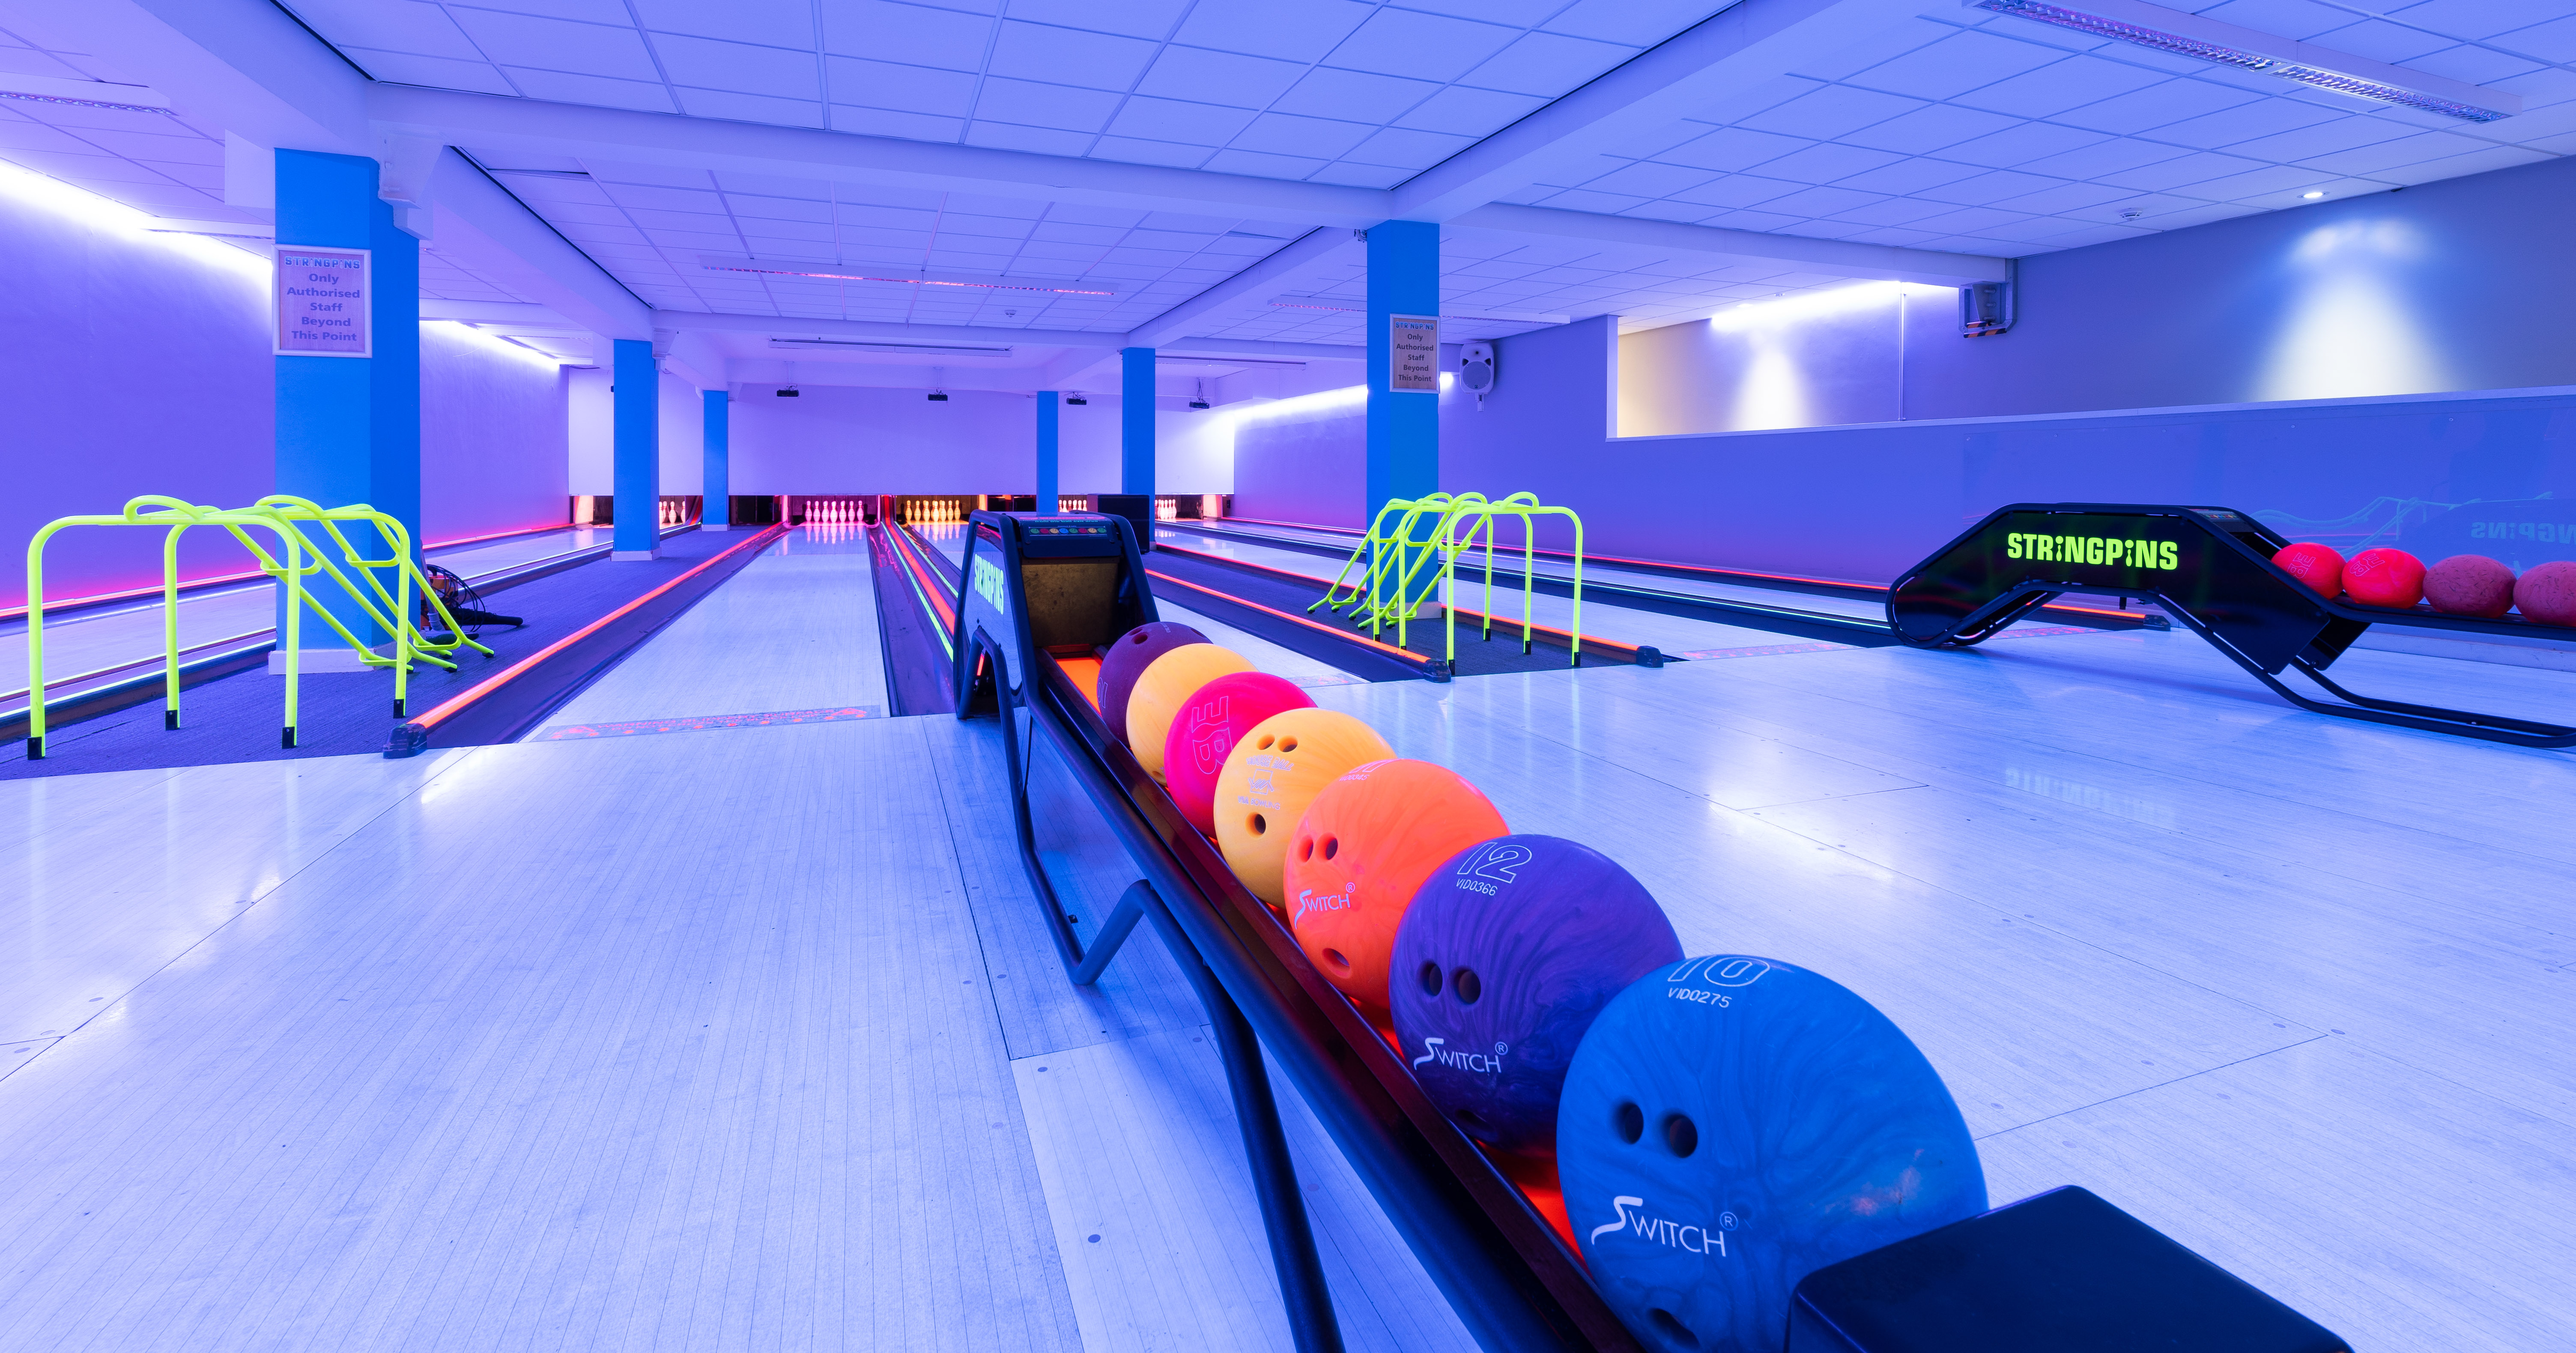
x=656, y=175
x=2020, y=145
x=1639, y=23
x=735, y=107
x=1134, y=18
x=912, y=89
x=2298, y=20
x=2392, y=42
x=1203, y=76
x=2476, y=18
x=1470, y=112
x=1134, y=150
x=1928, y=129
x=2227, y=127
x=1546, y=64
x=22, y=134
x=1737, y=190
x=2474, y=65
x=1282, y=134
x=1751, y=220
x=921, y=36
x=1902, y=238
x=1290, y=30
x=2255, y=183
x=2325, y=138
x=1040, y=140
x=477, y=77
x=2180, y=170
x=2475, y=162
x=553, y=44
x=2108, y=157
x=1352, y=174
x=706, y=63
x=1069, y=56
x=1407, y=149
x=388, y=25
x=1037, y=105
x=1968, y=219
x=777, y=23
x=1879, y=45
x=1194, y=124
x=1826, y=163
x=1354, y=96
x=1732, y=148
x=1988, y=188
x=2066, y=197
x=1822, y=202
x=592, y=89
x=750, y=208
x=1895, y=211
x=2155, y=106
x=1403, y=42
x=1650, y=180
x=1955, y=65
x=1079, y=214
x=1831, y=113
x=2069, y=83
x=1906, y=176
x=885, y=122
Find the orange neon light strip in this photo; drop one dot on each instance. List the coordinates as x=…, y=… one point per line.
x=517, y=669
x=933, y=586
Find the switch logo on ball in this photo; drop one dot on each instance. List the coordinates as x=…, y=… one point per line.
x=1480, y=1063
x=1632, y=1219
x=1309, y=901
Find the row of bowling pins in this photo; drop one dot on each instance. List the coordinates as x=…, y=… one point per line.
x=834, y=509
x=938, y=509
x=673, y=513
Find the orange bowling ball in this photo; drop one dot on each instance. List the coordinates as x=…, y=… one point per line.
x=1165, y=686
x=1272, y=774
x=1365, y=845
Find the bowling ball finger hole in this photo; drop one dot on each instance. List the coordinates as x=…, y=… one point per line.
x=1341, y=965
x=1138, y=637
x=1265, y=743
x=1466, y=985
x=1671, y=1328
x=1288, y=744
x=1306, y=849
x=1680, y=1134
x=1257, y=824
x=1629, y=1122
x=1332, y=846
x=1430, y=979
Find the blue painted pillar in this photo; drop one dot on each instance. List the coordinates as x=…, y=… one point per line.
x=716, y=486
x=637, y=424
x=1049, y=409
x=348, y=427
x=1403, y=426
x=1136, y=421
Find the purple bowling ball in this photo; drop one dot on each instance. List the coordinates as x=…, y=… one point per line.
x=1502, y=960
x=1127, y=659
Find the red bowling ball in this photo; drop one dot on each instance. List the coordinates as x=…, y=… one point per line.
x=2547, y=593
x=1211, y=721
x=2316, y=565
x=2469, y=584
x=2384, y=577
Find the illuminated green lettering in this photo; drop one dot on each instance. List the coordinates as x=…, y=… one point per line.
x=2166, y=550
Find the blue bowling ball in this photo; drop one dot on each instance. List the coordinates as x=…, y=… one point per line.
x=1733, y=1124
x=1504, y=956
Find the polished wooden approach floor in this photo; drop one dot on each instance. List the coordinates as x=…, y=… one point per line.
x=752, y=1039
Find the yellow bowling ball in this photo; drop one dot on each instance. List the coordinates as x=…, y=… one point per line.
x=1166, y=685
x=1272, y=774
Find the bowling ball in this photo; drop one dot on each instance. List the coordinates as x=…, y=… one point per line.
x=1167, y=684
x=1211, y=721
x=1507, y=952
x=1278, y=768
x=1733, y=1124
x=2384, y=577
x=2469, y=584
x=1128, y=657
x=2316, y=565
x=1361, y=852
x=2547, y=593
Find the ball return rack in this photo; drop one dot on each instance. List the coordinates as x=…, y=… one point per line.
x=1043, y=595
x=2210, y=568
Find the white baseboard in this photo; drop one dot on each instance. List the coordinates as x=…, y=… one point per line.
x=633, y=556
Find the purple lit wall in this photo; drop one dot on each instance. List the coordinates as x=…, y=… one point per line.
x=491, y=436
x=880, y=439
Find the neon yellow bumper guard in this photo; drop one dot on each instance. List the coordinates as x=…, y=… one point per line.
x=297, y=559
x=1416, y=559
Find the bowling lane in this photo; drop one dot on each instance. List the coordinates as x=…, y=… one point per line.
x=796, y=629
x=1672, y=634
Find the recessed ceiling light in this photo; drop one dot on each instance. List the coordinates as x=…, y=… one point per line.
x=2314, y=194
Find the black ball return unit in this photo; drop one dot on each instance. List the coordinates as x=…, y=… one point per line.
x=2211, y=568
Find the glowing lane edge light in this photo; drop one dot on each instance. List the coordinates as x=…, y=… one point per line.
x=102, y=213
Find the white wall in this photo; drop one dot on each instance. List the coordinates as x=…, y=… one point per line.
x=590, y=413
x=492, y=435
x=874, y=439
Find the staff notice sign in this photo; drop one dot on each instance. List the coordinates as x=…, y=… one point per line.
x=1413, y=361
x=323, y=303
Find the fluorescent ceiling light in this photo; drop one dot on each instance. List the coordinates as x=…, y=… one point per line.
x=908, y=276
x=871, y=345
x=1446, y=311
x=1186, y=359
x=2170, y=30
x=85, y=94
